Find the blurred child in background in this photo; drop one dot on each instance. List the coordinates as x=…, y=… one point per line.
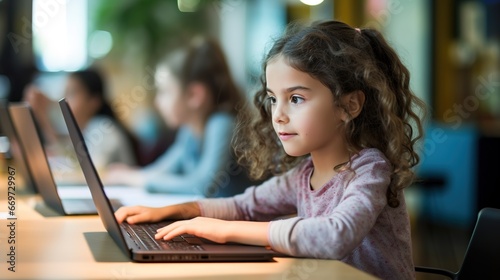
x=197, y=96
x=108, y=140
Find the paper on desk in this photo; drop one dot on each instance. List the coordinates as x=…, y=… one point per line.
x=128, y=195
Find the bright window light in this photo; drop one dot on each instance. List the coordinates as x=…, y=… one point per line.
x=60, y=34
x=312, y=2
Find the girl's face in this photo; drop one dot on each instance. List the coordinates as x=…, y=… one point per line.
x=170, y=100
x=303, y=112
x=79, y=99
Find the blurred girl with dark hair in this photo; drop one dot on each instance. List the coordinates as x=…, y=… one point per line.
x=108, y=140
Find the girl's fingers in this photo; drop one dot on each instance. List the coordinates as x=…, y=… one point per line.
x=127, y=213
x=121, y=214
x=170, y=231
x=138, y=218
x=160, y=233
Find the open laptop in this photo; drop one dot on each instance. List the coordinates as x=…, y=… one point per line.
x=17, y=154
x=30, y=142
x=137, y=241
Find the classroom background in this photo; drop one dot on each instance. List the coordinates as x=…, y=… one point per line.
x=451, y=47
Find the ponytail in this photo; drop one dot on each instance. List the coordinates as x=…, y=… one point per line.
x=398, y=81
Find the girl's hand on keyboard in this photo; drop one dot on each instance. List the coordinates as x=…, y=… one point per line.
x=208, y=228
x=138, y=214
x=220, y=231
x=142, y=214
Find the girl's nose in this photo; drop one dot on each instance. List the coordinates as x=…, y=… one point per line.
x=279, y=114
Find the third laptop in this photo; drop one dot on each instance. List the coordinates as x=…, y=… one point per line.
x=37, y=162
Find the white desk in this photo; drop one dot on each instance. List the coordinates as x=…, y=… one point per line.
x=128, y=195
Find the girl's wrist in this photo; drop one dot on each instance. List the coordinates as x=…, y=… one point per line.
x=182, y=211
x=253, y=233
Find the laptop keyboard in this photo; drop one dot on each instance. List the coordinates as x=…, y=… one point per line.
x=146, y=233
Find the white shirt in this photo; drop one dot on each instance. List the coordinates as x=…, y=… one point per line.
x=107, y=143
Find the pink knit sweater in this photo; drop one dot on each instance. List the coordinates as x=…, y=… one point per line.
x=347, y=219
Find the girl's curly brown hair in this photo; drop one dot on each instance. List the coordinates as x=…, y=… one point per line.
x=344, y=59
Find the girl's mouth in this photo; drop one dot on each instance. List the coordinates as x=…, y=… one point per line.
x=285, y=136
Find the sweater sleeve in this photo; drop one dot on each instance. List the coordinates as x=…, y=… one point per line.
x=274, y=198
x=336, y=234
x=168, y=162
x=208, y=174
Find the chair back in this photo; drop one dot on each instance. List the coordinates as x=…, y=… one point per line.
x=482, y=258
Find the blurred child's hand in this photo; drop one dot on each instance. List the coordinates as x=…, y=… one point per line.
x=38, y=101
x=119, y=173
x=40, y=105
x=120, y=166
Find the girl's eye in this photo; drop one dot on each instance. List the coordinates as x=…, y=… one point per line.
x=297, y=99
x=271, y=99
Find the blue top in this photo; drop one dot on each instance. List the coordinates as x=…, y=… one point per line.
x=199, y=166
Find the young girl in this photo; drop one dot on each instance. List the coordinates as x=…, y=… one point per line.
x=196, y=95
x=335, y=123
x=85, y=90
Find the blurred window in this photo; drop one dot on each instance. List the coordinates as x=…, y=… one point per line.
x=60, y=34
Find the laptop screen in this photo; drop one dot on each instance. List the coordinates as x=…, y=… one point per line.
x=31, y=144
x=19, y=158
x=102, y=203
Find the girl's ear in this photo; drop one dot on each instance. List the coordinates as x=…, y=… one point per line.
x=197, y=95
x=353, y=104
